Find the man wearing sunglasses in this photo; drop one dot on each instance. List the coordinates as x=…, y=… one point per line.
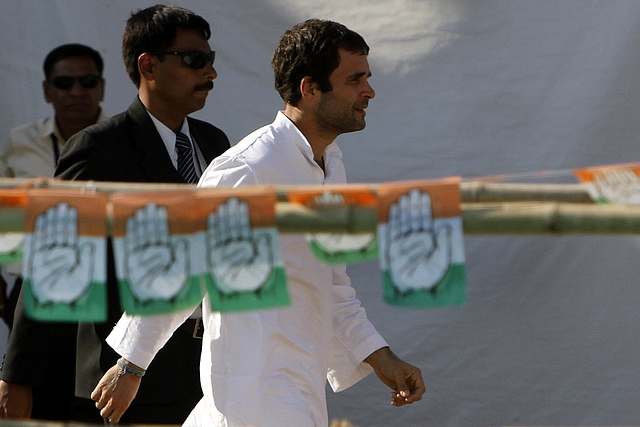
x=74, y=86
x=168, y=57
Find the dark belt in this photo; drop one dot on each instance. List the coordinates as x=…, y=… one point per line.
x=193, y=327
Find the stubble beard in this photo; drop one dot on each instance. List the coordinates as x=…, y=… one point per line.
x=338, y=116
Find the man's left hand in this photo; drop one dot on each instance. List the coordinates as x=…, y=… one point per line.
x=404, y=379
x=115, y=392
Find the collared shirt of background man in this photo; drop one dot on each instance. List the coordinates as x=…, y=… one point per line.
x=74, y=86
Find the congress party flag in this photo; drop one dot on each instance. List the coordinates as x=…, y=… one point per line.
x=156, y=252
x=421, y=243
x=339, y=248
x=613, y=183
x=64, y=266
x=243, y=266
x=11, y=243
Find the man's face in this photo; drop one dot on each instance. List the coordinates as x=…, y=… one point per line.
x=177, y=85
x=75, y=104
x=341, y=110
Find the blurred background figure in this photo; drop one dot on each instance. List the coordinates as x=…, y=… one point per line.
x=74, y=86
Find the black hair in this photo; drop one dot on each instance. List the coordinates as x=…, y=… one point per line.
x=311, y=49
x=154, y=29
x=72, y=50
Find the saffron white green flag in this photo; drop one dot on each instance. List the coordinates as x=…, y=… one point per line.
x=11, y=244
x=64, y=266
x=421, y=243
x=339, y=248
x=613, y=183
x=243, y=267
x=156, y=252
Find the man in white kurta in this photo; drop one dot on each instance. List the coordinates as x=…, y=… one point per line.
x=268, y=368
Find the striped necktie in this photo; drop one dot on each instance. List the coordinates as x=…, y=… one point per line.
x=186, y=168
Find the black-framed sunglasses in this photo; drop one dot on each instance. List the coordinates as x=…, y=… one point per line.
x=88, y=81
x=193, y=58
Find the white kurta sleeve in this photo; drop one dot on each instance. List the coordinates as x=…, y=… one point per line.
x=354, y=337
x=227, y=172
x=139, y=338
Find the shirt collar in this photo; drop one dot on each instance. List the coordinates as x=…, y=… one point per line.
x=294, y=134
x=50, y=126
x=331, y=154
x=169, y=137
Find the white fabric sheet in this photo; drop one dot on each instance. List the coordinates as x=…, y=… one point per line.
x=464, y=87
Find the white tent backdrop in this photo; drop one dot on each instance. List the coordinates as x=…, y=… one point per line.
x=464, y=87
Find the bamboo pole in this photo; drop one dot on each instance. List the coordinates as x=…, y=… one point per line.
x=11, y=219
x=471, y=192
x=477, y=191
x=484, y=218
x=477, y=218
x=550, y=218
x=559, y=209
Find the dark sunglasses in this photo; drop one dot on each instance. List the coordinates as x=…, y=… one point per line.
x=88, y=81
x=193, y=58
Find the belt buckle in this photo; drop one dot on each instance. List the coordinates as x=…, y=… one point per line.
x=198, y=329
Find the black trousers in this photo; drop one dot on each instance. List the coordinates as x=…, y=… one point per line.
x=53, y=399
x=156, y=404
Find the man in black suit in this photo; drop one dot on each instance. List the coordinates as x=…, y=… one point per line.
x=168, y=57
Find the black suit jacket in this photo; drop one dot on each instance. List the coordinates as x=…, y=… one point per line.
x=125, y=148
x=128, y=148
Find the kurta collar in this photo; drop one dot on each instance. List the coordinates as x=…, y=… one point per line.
x=332, y=153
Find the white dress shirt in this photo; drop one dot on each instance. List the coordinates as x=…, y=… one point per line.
x=29, y=151
x=169, y=139
x=268, y=368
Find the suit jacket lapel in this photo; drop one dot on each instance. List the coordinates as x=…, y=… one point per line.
x=206, y=147
x=155, y=161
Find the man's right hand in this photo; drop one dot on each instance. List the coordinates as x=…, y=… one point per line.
x=16, y=400
x=114, y=393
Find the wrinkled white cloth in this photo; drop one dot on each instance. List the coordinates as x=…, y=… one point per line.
x=269, y=367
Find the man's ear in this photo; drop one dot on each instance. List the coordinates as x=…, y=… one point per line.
x=308, y=87
x=46, y=91
x=103, y=83
x=145, y=66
